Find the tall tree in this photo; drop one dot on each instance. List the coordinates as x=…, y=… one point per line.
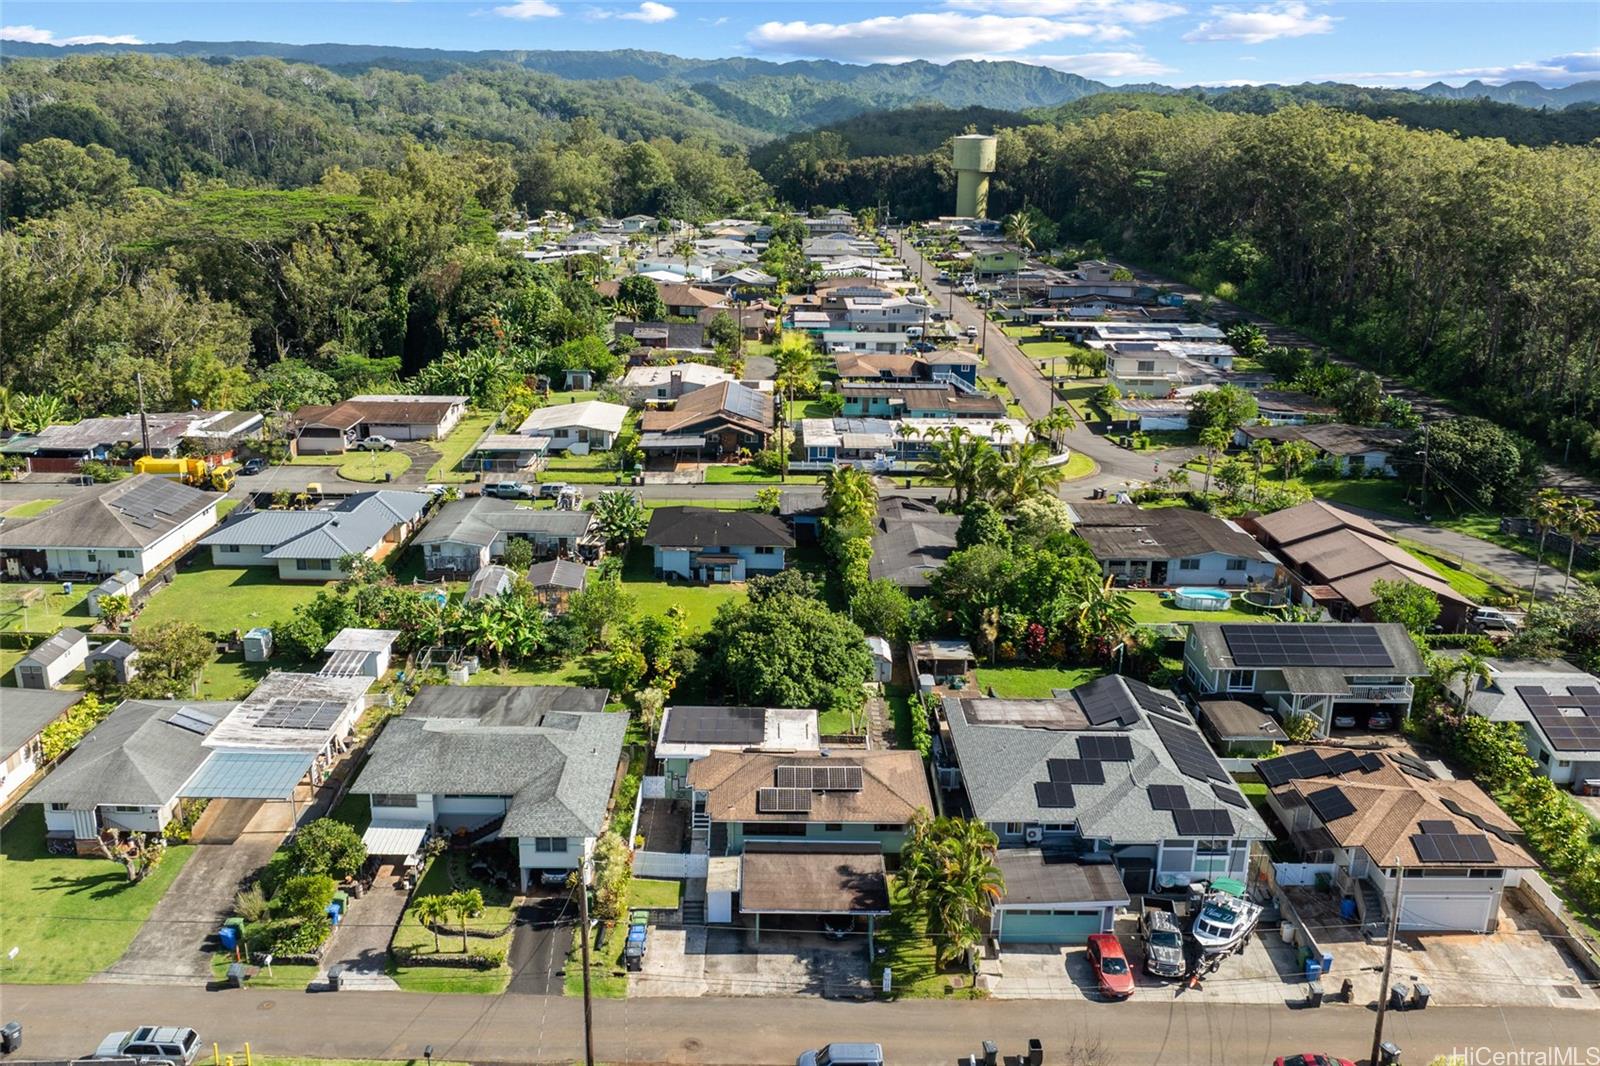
x=794, y=370
x=949, y=873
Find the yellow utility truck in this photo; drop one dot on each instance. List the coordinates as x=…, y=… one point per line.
x=196, y=472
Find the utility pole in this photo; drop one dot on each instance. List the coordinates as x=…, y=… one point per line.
x=144, y=423
x=588, y=1006
x=1388, y=956
x=1424, y=469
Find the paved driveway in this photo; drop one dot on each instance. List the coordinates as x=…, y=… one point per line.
x=361, y=943
x=170, y=947
x=699, y=961
x=539, y=946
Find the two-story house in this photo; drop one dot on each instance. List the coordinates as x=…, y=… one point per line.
x=930, y=399
x=716, y=422
x=1353, y=670
x=691, y=733
x=704, y=544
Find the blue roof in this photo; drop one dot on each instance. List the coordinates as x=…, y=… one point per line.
x=356, y=525
x=263, y=775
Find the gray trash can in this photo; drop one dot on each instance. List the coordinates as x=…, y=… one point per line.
x=1390, y=1053
x=1313, y=993
x=991, y=1053
x=1419, y=996
x=236, y=974
x=10, y=1037
x=1035, y=1052
x=1398, y=995
x=335, y=975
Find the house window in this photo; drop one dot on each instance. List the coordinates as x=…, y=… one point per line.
x=230, y=549
x=556, y=844
x=1236, y=564
x=313, y=564
x=1147, y=366
x=1210, y=847
x=394, y=799
x=583, y=436
x=833, y=827
x=1241, y=680
x=1544, y=757
x=1188, y=564
x=58, y=806
x=1013, y=829
x=127, y=808
x=887, y=827
x=124, y=553
x=766, y=549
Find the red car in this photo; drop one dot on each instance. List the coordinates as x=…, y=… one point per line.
x=1312, y=1059
x=1111, y=968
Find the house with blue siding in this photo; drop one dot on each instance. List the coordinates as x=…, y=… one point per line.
x=1164, y=546
x=931, y=399
x=704, y=544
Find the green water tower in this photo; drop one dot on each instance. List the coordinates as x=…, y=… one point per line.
x=974, y=162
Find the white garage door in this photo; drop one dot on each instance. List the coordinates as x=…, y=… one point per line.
x=1445, y=914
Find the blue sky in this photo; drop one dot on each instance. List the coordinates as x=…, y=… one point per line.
x=1178, y=42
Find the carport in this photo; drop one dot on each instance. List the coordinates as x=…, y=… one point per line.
x=394, y=839
x=833, y=880
x=250, y=775
x=1054, y=900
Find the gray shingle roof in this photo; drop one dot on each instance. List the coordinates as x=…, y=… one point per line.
x=910, y=541
x=27, y=712
x=1001, y=762
x=705, y=527
x=481, y=519
x=133, y=513
x=356, y=525
x=48, y=651
x=555, y=766
x=1120, y=531
x=135, y=756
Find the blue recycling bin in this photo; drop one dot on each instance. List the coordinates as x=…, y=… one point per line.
x=1327, y=963
x=1347, y=908
x=1313, y=969
x=228, y=937
x=334, y=913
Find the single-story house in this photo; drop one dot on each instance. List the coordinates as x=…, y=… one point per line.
x=1352, y=451
x=1239, y=730
x=590, y=425
x=506, y=453
x=120, y=657
x=50, y=661
x=703, y=544
x=357, y=652
x=330, y=429
x=138, y=524
x=1336, y=557
x=307, y=545
x=555, y=581
x=534, y=764
x=682, y=301
x=1373, y=814
x=690, y=733
x=1558, y=707
x=1311, y=668
x=1172, y=546
x=715, y=422
x=121, y=583
x=1111, y=768
x=127, y=772
x=22, y=726
x=910, y=541
x=669, y=381
x=470, y=533
x=670, y=336
x=1054, y=898
x=1283, y=407
x=62, y=449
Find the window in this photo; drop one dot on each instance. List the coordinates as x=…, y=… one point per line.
x=556, y=844
x=230, y=549
x=58, y=806
x=313, y=564
x=393, y=799
x=1147, y=366
x=766, y=549
x=583, y=436
x=127, y=808
x=833, y=827
x=1013, y=829
x=1544, y=757
x=887, y=827
x=1241, y=680
x=124, y=553
x=1210, y=847
x=1236, y=564
x=1188, y=564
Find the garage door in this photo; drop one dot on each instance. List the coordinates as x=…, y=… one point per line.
x=1450, y=913
x=1048, y=927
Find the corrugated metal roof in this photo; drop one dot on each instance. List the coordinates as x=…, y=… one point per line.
x=392, y=838
x=248, y=775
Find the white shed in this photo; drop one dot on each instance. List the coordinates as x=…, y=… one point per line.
x=357, y=652
x=47, y=665
x=121, y=583
x=258, y=645
x=882, y=659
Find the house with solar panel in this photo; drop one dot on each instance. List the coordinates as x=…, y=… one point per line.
x=1112, y=772
x=1558, y=707
x=307, y=545
x=690, y=733
x=716, y=422
x=138, y=524
x=1366, y=816
x=1353, y=671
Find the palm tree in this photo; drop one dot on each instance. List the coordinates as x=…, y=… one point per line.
x=683, y=248
x=465, y=904
x=949, y=873
x=1261, y=453
x=1294, y=454
x=1055, y=425
x=1019, y=228
x=1022, y=474
x=794, y=368
x=1473, y=670
x=1102, y=616
x=851, y=495
x=1581, y=522
x=1214, y=439
x=1549, y=505
x=431, y=910
x=964, y=460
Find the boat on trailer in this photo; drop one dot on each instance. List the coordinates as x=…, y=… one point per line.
x=1225, y=919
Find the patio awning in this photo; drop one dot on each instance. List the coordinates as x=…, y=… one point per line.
x=784, y=878
x=392, y=838
x=263, y=775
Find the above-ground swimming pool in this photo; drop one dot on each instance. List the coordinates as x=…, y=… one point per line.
x=1202, y=599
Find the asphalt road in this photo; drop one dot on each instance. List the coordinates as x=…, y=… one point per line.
x=63, y=1021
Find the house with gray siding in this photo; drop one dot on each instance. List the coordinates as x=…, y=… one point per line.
x=533, y=764
x=138, y=525
x=1557, y=706
x=705, y=544
x=307, y=545
x=467, y=534
x=1113, y=770
x=1172, y=546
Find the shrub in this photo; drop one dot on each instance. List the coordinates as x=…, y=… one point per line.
x=327, y=847
x=298, y=936
x=251, y=905
x=305, y=896
x=767, y=461
x=489, y=958
x=1300, y=728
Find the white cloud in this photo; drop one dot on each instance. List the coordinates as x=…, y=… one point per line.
x=650, y=11
x=1556, y=70
x=1106, y=64
x=1107, y=32
x=933, y=35
x=529, y=9
x=1135, y=11
x=1266, y=23
x=34, y=35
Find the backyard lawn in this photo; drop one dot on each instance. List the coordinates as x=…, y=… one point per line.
x=455, y=447
x=41, y=607
x=224, y=598
x=661, y=895
x=1150, y=607
x=654, y=596
x=229, y=677
x=1032, y=682
x=68, y=918
x=31, y=508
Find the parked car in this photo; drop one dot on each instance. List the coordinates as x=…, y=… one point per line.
x=971, y=333
x=924, y=346
x=375, y=444
x=843, y=1055
x=943, y=278
x=552, y=490
x=913, y=332
x=149, y=1043
x=1486, y=618
x=937, y=316
x=1379, y=720
x=252, y=467
x=511, y=490
x=1311, y=1059
x=1110, y=966
x=1163, y=942
x=1343, y=720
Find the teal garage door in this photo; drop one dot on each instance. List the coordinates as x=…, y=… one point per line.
x=1048, y=927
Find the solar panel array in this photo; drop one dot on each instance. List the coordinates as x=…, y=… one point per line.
x=783, y=800
x=1437, y=827
x=1105, y=749
x=1106, y=703
x=194, y=721
x=1343, y=762
x=1189, y=750
x=1053, y=794
x=154, y=502
x=1331, y=804
x=1451, y=847
x=300, y=714
x=1155, y=701
x=1306, y=764
x=1229, y=795
x=716, y=725
x=1167, y=798
x=1076, y=771
x=1347, y=646
x=1570, y=722
x=1203, y=823
x=845, y=777
x=744, y=401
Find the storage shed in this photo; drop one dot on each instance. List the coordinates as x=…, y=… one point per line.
x=47, y=665
x=121, y=583
x=258, y=645
x=121, y=655
x=882, y=659
x=357, y=652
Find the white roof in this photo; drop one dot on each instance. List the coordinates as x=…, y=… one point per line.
x=590, y=414
x=352, y=638
x=644, y=377
x=393, y=838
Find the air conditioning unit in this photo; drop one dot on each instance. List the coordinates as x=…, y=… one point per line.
x=1033, y=834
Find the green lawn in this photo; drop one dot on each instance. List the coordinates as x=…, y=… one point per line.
x=1032, y=682
x=728, y=474
x=799, y=409
x=282, y=976
x=225, y=507
x=608, y=979
x=53, y=611
x=497, y=912
x=700, y=602
x=578, y=671
x=229, y=677
x=1037, y=347
x=374, y=466
x=69, y=918
x=31, y=508
x=1150, y=607
x=907, y=951
x=644, y=892
x=455, y=446
x=1487, y=527
x=1079, y=466
x=221, y=599
x=1471, y=581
